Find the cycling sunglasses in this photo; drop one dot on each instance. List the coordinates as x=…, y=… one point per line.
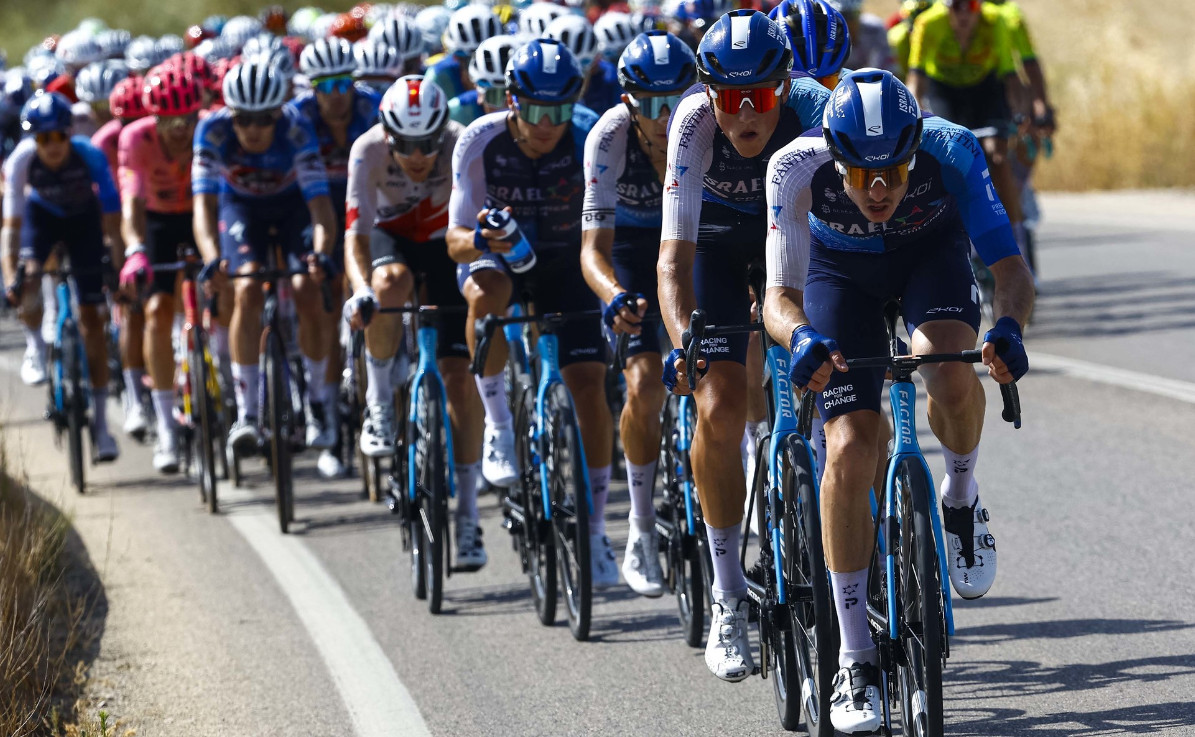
x=534, y=112
x=261, y=119
x=51, y=137
x=956, y=5
x=176, y=122
x=493, y=96
x=863, y=178
x=340, y=84
x=654, y=107
x=761, y=99
x=426, y=145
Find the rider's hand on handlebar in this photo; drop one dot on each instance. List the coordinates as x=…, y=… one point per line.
x=1004, y=351
x=214, y=277
x=137, y=271
x=625, y=313
x=319, y=267
x=491, y=239
x=814, y=359
x=675, y=378
x=360, y=308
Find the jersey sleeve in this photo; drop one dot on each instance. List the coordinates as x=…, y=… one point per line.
x=1002, y=46
x=16, y=178
x=205, y=160
x=967, y=178
x=361, y=202
x=920, y=40
x=808, y=98
x=130, y=164
x=101, y=174
x=789, y=198
x=468, y=171
x=690, y=152
x=1018, y=32
x=605, y=160
x=310, y=173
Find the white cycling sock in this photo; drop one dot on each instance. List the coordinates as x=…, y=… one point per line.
x=467, y=475
x=724, y=549
x=34, y=339
x=493, y=395
x=599, y=487
x=316, y=372
x=99, y=398
x=244, y=376
x=850, y=600
x=379, y=388
x=817, y=438
x=640, y=480
x=959, y=488
x=133, y=379
x=164, y=407
x=218, y=338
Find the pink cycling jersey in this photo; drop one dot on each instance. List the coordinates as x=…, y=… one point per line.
x=148, y=172
x=105, y=139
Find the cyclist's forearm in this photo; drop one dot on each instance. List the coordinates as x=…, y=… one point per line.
x=323, y=221
x=1015, y=93
x=10, y=248
x=1014, y=289
x=784, y=313
x=597, y=263
x=132, y=224
x=677, y=296
x=113, y=238
x=356, y=260
x=917, y=86
x=1037, y=83
x=206, y=227
x=460, y=244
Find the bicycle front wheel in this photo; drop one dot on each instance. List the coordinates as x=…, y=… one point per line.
x=280, y=416
x=429, y=437
x=922, y=631
x=74, y=402
x=539, y=549
x=203, y=419
x=569, y=499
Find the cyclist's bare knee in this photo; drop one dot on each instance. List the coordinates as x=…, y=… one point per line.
x=488, y=291
x=393, y=283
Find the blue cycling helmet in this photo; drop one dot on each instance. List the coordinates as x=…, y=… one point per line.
x=817, y=34
x=45, y=112
x=544, y=70
x=872, y=120
x=18, y=88
x=656, y=61
x=742, y=49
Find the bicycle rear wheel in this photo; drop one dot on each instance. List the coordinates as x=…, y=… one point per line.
x=539, y=548
x=281, y=414
x=74, y=401
x=430, y=439
x=202, y=420
x=570, y=507
x=922, y=631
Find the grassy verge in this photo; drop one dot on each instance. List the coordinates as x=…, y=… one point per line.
x=44, y=613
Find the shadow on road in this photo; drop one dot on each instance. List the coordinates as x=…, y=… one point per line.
x=1065, y=628
x=1114, y=304
x=1148, y=719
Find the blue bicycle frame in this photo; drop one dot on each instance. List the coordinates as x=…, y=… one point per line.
x=903, y=397
x=548, y=349
x=62, y=295
x=426, y=337
x=685, y=445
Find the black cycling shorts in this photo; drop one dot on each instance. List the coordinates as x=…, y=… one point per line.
x=81, y=234
x=435, y=273
x=984, y=105
x=727, y=242
x=635, y=254
x=165, y=232
x=249, y=226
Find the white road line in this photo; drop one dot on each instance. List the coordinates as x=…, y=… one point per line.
x=1184, y=391
x=377, y=701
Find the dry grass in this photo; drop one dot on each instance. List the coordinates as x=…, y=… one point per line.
x=39, y=617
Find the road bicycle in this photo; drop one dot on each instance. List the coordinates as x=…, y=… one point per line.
x=547, y=509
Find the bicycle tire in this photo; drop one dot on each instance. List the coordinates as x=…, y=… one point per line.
x=680, y=551
x=74, y=402
x=431, y=472
x=922, y=633
x=202, y=417
x=280, y=415
x=539, y=549
x=570, y=508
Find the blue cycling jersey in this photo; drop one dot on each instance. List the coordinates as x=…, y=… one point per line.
x=363, y=114
x=949, y=187
x=449, y=74
x=602, y=92
x=465, y=107
x=222, y=166
x=71, y=189
x=545, y=194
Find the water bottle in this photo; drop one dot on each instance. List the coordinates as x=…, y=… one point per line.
x=521, y=258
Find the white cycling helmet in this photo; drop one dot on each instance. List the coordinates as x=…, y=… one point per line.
x=113, y=42
x=488, y=64
x=327, y=57
x=302, y=21
x=575, y=33
x=398, y=31
x=254, y=86
x=468, y=27
x=322, y=27
x=169, y=45
x=432, y=22
x=614, y=31
x=534, y=21
x=213, y=50
x=142, y=53
x=279, y=58
x=95, y=81
x=240, y=29
x=413, y=107
x=376, y=59
x=78, y=49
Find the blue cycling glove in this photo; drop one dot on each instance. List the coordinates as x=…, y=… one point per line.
x=810, y=350
x=669, y=377
x=479, y=241
x=1006, y=336
x=325, y=263
x=628, y=300
x=209, y=269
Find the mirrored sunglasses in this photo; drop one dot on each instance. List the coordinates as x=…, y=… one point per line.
x=864, y=178
x=534, y=112
x=426, y=145
x=654, y=107
x=339, y=84
x=51, y=137
x=263, y=119
x=761, y=99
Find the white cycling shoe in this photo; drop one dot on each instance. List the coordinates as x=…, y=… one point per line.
x=499, y=465
x=244, y=438
x=470, y=551
x=855, y=704
x=136, y=423
x=166, y=456
x=728, y=649
x=33, y=368
x=321, y=425
x=641, y=562
x=377, y=432
x=970, y=550
x=603, y=566
x=328, y=465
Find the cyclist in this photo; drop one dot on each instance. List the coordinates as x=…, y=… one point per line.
x=1042, y=120
x=620, y=241
x=528, y=159
x=961, y=67
x=378, y=65
x=93, y=85
x=155, y=183
x=899, y=29
x=59, y=190
x=467, y=28
x=399, y=32
x=713, y=203
x=258, y=180
x=600, y=91
x=126, y=105
x=400, y=180
x=883, y=203
x=869, y=36
x=487, y=72
x=340, y=112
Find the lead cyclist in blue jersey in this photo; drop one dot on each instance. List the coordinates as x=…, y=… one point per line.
x=59, y=189
x=258, y=180
x=620, y=244
x=528, y=159
x=719, y=142
x=881, y=203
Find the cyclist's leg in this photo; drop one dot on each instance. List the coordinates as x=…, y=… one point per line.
x=86, y=248
x=38, y=233
x=242, y=240
x=132, y=357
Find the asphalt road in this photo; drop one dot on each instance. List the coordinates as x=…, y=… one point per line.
x=219, y=626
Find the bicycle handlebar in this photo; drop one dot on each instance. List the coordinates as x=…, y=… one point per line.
x=483, y=329
x=698, y=331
